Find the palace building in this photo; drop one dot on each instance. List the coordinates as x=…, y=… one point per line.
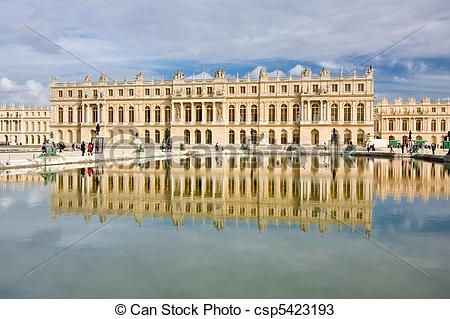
x=23, y=125
x=427, y=120
x=266, y=110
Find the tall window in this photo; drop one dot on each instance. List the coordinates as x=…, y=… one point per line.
x=121, y=114
x=243, y=113
x=334, y=113
x=418, y=125
x=231, y=113
x=94, y=114
x=147, y=136
x=271, y=137
x=70, y=115
x=209, y=113
x=283, y=137
x=198, y=113
x=198, y=137
x=284, y=113
x=272, y=113
x=187, y=137
x=242, y=137
x=80, y=114
x=147, y=114
x=254, y=114
x=110, y=114
x=157, y=137
x=433, y=125
x=231, y=137
x=168, y=114
x=347, y=113
x=391, y=125
x=315, y=113
x=157, y=115
x=60, y=115
x=404, y=125
x=443, y=126
x=131, y=114
x=360, y=112
x=188, y=114
x=208, y=137
x=296, y=113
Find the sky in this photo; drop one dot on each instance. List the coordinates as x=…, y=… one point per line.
x=122, y=38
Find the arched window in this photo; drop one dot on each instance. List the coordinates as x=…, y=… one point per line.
x=187, y=137
x=314, y=137
x=418, y=125
x=253, y=138
x=296, y=137
x=70, y=115
x=198, y=113
x=231, y=114
x=32, y=139
x=121, y=114
x=147, y=136
x=38, y=126
x=334, y=113
x=347, y=136
x=284, y=113
x=315, y=116
x=296, y=113
x=188, y=114
x=110, y=114
x=254, y=114
x=95, y=114
x=443, y=126
x=283, y=137
x=404, y=125
x=198, y=137
x=60, y=115
x=26, y=139
x=242, y=137
x=271, y=137
x=433, y=125
x=243, y=113
x=157, y=136
x=168, y=114
x=231, y=137
x=208, y=137
x=391, y=125
x=32, y=126
x=80, y=114
x=272, y=115
x=131, y=114
x=347, y=113
x=360, y=112
x=157, y=114
x=147, y=114
x=209, y=113
x=360, y=137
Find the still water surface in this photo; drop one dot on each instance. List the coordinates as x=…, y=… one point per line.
x=231, y=227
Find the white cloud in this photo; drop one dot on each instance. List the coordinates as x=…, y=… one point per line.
x=296, y=70
x=31, y=92
x=201, y=75
x=276, y=73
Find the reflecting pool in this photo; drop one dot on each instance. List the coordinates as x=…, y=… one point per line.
x=228, y=227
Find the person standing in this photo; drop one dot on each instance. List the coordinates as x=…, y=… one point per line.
x=83, y=148
x=433, y=148
x=90, y=149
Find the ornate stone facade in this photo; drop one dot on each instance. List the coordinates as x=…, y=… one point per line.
x=427, y=120
x=21, y=125
x=265, y=110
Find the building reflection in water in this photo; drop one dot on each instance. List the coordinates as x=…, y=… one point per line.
x=238, y=190
x=265, y=191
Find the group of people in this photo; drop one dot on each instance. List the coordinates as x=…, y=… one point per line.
x=89, y=148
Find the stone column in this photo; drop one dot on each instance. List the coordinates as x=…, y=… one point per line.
x=308, y=117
